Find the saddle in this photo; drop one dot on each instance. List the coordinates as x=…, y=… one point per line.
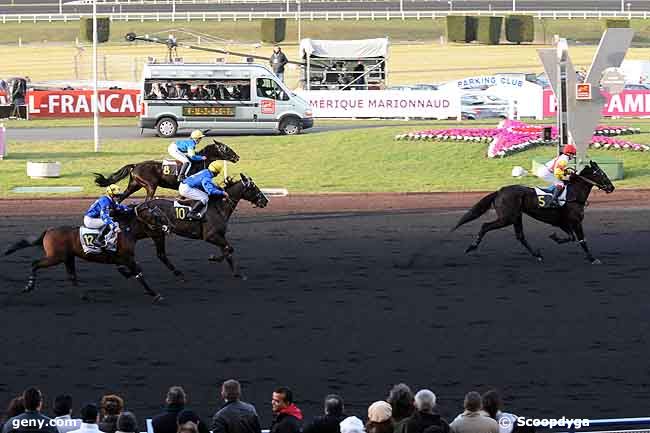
x=171, y=167
x=544, y=197
x=87, y=237
x=183, y=210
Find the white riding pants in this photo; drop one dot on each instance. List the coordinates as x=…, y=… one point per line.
x=93, y=223
x=177, y=154
x=193, y=193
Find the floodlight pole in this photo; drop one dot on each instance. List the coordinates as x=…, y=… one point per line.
x=514, y=5
x=299, y=22
x=95, y=102
x=562, y=100
x=60, y=6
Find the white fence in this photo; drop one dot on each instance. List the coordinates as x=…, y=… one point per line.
x=311, y=15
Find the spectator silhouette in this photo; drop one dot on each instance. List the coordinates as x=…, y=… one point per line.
x=235, y=416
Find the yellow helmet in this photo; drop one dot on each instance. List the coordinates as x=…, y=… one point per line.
x=197, y=135
x=216, y=167
x=112, y=190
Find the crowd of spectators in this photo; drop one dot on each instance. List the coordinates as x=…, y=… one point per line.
x=401, y=412
x=207, y=91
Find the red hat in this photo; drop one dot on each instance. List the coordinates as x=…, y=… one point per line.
x=569, y=149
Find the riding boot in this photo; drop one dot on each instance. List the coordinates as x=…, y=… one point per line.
x=197, y=206
x=100, y=240
x=182, y=171
x=555, y=200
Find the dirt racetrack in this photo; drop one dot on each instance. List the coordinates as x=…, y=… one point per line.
x=331, y=306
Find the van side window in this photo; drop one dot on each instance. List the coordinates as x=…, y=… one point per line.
x=268, y=88
x=199, y=90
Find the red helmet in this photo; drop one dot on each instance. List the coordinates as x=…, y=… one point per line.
x=569, y=149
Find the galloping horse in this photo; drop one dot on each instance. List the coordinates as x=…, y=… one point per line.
x=150, y=175
x=63, y=245
x=212, y=228
x=512, y=201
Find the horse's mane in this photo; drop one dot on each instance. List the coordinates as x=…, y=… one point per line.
x=209, y=148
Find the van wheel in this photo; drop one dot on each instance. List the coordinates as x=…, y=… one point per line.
x=167, y=127
x=290, y=126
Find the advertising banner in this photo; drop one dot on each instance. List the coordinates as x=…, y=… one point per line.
x=383, y=103
x=629, y=103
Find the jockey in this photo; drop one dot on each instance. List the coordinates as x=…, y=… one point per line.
x=555, y=172
x=99, y=214
x=200, y=187
x=184, y=151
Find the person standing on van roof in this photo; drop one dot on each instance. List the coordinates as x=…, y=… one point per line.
x=277, y=61
x=184, y=151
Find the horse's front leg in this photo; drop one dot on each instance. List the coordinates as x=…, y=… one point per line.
x=583, y=243
x=227, y=253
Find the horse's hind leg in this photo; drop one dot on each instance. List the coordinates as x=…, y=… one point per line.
x=131, y=188
x=492, y=225
x=560, y=240
x=519, y=233
x=44, y=262
x=71, y=269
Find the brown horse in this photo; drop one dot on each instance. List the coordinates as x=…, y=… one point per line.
x=150, y=175
x=63, y=245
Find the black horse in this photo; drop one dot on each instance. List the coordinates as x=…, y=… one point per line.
x=212, y=228
x=512, y=201
x=63, y=245
x=150, y=174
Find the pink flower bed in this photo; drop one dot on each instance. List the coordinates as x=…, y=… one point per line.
x=512, y=136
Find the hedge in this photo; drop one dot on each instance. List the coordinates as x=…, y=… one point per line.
x=489, y=30
x=520, y=28
x=461, y=28
x=615, y=23
x=274, y=30
x=103, y=29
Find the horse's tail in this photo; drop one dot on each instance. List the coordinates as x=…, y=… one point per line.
x=26, y=243
x=477, y=210
x=120, y=174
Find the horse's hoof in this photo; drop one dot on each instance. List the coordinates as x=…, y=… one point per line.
x=179, y=274
x=240, y=277
x=158, y=299
x=471, y=248
x=85, y=297
x=540, y=259
x=596, y=262
x=215, y=258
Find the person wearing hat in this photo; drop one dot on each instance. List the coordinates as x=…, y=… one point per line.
x=185, y=151
x=555, y=172
x=380, y=418
x=200, y=187
x=98, y=215
x=89, y=419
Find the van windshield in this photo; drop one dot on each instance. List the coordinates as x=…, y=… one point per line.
x=201, y=90
x=268, y=88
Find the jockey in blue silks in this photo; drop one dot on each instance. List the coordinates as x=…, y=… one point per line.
x=98, y=215
x=184, y=151
x=200, y=186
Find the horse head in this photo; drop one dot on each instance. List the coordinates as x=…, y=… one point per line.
x=248, y=190
x=218, y=150
x=597, y=177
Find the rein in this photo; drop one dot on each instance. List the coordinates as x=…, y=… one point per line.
x=589, y=181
